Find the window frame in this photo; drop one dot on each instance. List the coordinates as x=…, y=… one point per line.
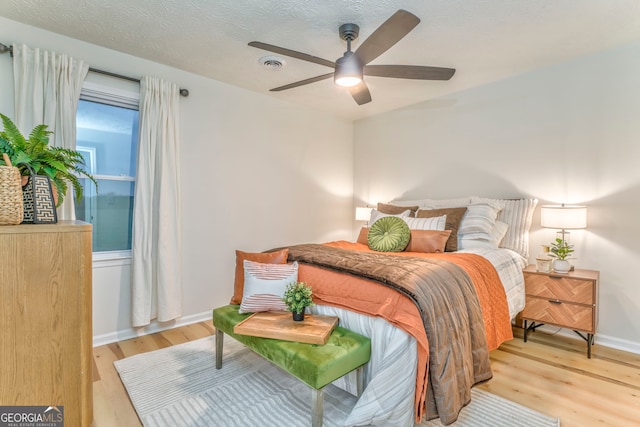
x=109, y=95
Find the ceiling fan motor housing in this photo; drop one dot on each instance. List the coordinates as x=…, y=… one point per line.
x=349, y=32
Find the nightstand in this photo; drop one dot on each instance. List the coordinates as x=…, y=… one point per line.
x=567, y=300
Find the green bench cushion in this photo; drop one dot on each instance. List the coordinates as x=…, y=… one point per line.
x=316, y=365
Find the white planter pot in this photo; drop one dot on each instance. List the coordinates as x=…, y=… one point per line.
x=561, y=266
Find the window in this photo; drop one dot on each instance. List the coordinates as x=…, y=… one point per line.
x=107, y=137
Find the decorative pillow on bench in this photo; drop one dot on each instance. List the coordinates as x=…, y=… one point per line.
x=277, y=257
x=265, y=284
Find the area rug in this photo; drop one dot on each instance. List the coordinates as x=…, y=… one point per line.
x=180, y=386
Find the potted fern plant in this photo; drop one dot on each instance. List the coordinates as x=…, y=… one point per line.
x=297, y=297
x=61, y=165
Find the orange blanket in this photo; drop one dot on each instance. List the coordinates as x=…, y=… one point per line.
x=371, y=298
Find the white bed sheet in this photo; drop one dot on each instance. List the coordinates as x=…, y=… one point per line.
x=509, y=265
x=390, y=375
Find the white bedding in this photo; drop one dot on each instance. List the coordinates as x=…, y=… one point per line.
x=509, y=265
x=390, y=375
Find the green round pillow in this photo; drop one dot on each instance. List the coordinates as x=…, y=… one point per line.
x=389, y=234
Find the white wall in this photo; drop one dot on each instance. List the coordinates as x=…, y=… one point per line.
x=257, y=173
x=568, y=133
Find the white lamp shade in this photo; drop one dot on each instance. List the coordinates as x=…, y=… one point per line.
x=363, y=214
x=563, y=217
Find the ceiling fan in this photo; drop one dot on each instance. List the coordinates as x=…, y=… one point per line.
x=351, y=68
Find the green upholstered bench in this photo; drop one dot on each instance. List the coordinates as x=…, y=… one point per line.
x=316, y=365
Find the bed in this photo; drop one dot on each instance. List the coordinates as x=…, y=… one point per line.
x=432, y=317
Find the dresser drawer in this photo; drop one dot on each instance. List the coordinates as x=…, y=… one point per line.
x=561, y=288
x=564, y=314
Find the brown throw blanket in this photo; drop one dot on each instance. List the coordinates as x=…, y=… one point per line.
x=450, y=311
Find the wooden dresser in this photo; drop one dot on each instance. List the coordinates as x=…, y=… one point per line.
x=45, y=320
x=567, y=300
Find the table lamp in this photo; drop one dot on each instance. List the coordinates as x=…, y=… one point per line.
x=563, y=218
x=363, y=214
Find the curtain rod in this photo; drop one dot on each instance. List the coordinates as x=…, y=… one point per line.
x=184, y=92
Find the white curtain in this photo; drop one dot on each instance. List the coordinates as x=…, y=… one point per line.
x=47, y=90
x=156, y=266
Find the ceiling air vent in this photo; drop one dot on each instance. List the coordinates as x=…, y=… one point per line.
x=272, y=62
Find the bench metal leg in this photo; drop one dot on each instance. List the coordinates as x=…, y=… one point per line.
x=317, y=401
x=219, y=345
x=359, y=380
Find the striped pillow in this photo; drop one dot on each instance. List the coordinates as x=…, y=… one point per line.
x=480, y=218
x=264, y=285
x=433, y=223
x=518, y=214
x=499, y=230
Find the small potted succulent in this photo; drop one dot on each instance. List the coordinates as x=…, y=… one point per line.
x=560, y=250
x=297, y=297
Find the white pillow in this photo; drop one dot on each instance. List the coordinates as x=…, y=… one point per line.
x=497, y=234
x=446, y=203
x=435, y=203
x=518, y=215
x=376, y=215
x=434, y=223
x=265, y=284
x=479, y=219
x=477, y=222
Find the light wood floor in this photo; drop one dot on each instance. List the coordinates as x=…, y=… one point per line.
x=550, y=373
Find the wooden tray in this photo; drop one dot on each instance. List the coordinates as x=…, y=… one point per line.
x=314, y=329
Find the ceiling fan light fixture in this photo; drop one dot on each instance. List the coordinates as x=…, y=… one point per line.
x=348, y=71
x=350, y=68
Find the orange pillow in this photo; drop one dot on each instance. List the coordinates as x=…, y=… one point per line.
x=428, y=241
x=363, y=237
x=277, y=257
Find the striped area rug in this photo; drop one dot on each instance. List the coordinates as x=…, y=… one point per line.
x=179, y=386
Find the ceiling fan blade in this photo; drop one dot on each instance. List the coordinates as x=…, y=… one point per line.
x=293, y=54
x=417, y=72
x=360, y=93
x=389, y=33
x=302, y=82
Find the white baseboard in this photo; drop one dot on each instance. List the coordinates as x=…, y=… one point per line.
x=98, y=340
x=154, y=327
x=600, y=339
x=617, y=343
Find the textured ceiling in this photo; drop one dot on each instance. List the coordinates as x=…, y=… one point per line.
x=485, y=40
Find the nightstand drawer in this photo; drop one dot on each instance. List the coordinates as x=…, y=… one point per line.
x=561, y=288
x=566, y=300
x=566, y=315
